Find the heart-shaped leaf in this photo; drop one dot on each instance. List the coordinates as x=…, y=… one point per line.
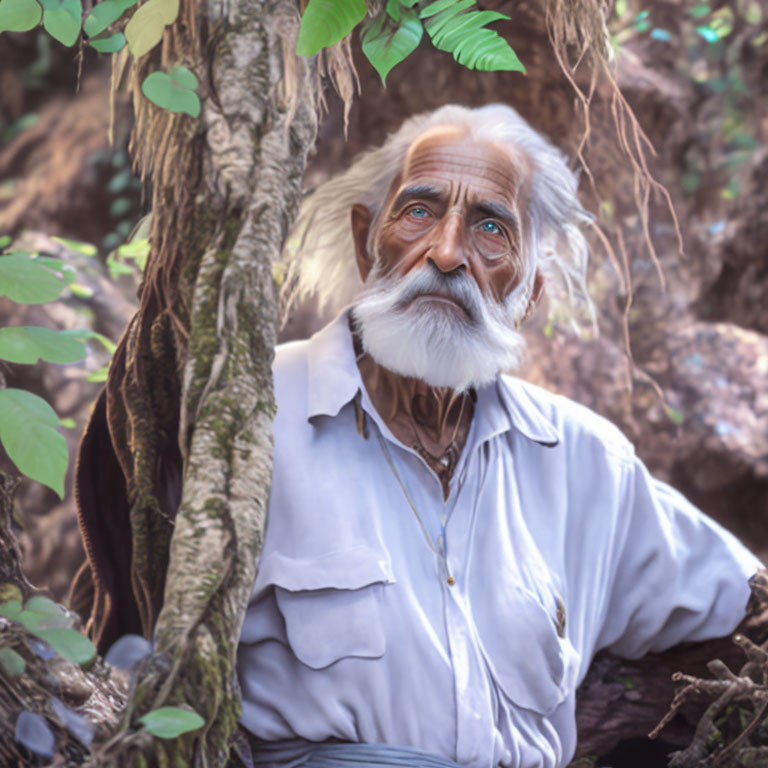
x=127, y=650
x=111, y=44
x=19, y=15
x=174, y=91
x=325, y=22
x=69, y=643
x=171, y=722
x=105, y=13
x=145, y=29
x=61, y=19
x=41, y=613
x=10, y=609
x=12, y=663
x=33, y=732
x=28, y=434
x=29, y=344
x=30, y=280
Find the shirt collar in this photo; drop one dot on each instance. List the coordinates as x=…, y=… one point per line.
x=334, y=380
x=334, y=377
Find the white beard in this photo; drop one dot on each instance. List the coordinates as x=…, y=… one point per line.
x=442, y=346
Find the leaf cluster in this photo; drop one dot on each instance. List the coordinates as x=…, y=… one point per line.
x=454, y=26
x=108, y=27
x=55, y=636
x=28, y=424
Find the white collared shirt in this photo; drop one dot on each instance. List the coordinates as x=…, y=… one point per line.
x=558, y=540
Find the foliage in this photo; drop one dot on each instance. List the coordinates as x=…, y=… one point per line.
x=175, y=91
x=107, y=28
x=454, y=26
x=171, y=722
x=28, y=424
x=47, y=621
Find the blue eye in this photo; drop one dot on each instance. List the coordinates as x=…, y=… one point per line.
x=419, y=213
x=491, y=227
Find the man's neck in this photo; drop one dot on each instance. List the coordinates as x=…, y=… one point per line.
x=434, y=421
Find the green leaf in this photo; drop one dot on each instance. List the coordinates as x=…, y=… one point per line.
x=68, y=643
x=111, y=44
x=41, y=613
x=67, y=271
x=85, y=334
x=145, y=29
x=386, y=43
x=99, y=376
x=9, y=591
x=675, y=416
x=708, y=34
x=5, y=241
x=87, y=249
x=171, y=722
x=80, y=291
x=10, y=609
x=29, y=344
x=19, y=15
x=105, y=13
x=28, y=434
x=30, y=280
x=463, y=33
x=121, y=205
x=137, y=249
x=117, y=268
x=456, y=6
x=170, y=92
x=61, y=19
x=700, y=10
x=325, y=22
x=13, y=664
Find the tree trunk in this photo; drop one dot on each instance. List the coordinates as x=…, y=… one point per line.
x=225, y=191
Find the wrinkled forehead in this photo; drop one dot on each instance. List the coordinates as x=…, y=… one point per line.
x=448, y=153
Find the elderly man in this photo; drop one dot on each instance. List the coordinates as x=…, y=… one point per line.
x=447, y=546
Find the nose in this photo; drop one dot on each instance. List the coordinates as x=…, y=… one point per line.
x=448, y=253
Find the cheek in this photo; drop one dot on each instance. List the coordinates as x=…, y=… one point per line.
x=504, y=278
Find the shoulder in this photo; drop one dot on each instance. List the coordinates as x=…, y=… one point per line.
x=576, y=425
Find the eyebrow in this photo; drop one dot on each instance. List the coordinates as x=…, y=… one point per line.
x=420, y=192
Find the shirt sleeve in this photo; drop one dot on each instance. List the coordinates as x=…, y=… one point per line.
x=676, y=574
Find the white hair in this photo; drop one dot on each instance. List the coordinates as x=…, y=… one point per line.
x=320, y=253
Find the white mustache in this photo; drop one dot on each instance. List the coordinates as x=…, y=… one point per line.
x=429, y=280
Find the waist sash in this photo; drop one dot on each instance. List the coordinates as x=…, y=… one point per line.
x=298, y=753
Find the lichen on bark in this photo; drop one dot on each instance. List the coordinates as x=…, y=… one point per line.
x=221, y=210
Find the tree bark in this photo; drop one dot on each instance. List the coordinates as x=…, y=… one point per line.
x=225, y=193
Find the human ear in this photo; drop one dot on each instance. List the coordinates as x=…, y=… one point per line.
x=361, y=225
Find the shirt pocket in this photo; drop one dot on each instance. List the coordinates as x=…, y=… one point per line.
x=331, y=604
x=527, y=650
